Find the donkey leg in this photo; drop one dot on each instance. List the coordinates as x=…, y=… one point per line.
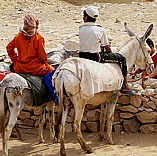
x=41, y=125
x=18, y=132
x=110, y=117
x=102, y=122
x=50, y=108
x=79, y=110
x=4, y=152
x=14, y=112
x=62, y=131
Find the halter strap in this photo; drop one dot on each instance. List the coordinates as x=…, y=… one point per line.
x=146, y=61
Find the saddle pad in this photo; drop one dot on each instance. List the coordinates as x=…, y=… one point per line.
x=95, y=77
x=40, y=94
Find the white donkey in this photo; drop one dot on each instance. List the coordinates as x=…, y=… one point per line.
x=15, y=95
x=72, y=84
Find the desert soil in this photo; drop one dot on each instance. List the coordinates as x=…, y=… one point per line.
x=125, y=145
x=59, y=22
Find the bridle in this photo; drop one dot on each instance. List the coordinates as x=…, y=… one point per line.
x=146, y=60
x=144, y=71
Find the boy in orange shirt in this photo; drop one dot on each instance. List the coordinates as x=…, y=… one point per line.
x=30, y=57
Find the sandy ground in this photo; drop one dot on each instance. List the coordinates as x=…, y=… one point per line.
x=125, y=145
x=59, y=22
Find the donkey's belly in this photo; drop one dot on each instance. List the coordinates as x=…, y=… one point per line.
x=99, y=98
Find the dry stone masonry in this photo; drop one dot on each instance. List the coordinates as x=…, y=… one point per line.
x=133, y=113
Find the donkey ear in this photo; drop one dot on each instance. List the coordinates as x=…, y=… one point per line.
x=130, y=32
x=148, y=32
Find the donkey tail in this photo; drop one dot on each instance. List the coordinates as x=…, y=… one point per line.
x=59, y=84
x=2, y=111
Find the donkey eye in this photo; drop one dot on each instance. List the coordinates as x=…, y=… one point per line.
x=149, y=51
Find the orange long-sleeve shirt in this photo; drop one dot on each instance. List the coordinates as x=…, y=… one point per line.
x=30, y=56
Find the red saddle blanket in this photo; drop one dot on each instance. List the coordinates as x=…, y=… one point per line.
x=3, y=73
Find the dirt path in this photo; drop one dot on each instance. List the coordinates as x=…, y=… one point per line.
x=125, y=145
x=60, y=21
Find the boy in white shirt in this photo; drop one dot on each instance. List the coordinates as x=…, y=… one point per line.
x=94, y=44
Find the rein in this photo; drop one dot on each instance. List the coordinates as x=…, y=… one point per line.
x=146, y=61
x=144, y=71
x=135, y=80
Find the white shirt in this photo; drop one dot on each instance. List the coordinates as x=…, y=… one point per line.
x=92, y=36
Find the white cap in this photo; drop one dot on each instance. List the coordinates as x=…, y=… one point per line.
x=92, y=11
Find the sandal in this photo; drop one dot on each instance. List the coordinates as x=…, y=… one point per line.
x=131, y=92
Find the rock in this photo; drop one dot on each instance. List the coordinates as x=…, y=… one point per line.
x=71, y=112
x=126, y=115
x=154, y=100
x=93, y=115
x=141, y=108
x=137, y=87
x=149, y=92
x=68, y=127
x=131, y=125
x=93, y=126
x=117, y=20
x=117, y=116
x=136, y=100
x=123, y=99
x=24, y=115
x=145, y=99
x=149, y=128
x=149, y=104
x=33, y=117
x=84, y=127
x=26, y=122
x=36, y=111
x=147, y=117
x=70, y=119
x=129, y=108
x=90, y=106
x=118, y=128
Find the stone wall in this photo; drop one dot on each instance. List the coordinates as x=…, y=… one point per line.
x=133, y=113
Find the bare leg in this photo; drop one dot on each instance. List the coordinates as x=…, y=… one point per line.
x=126, y=87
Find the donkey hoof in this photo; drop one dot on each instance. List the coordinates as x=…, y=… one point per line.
x=62, y=152
x=89, y=150
x=111, y=143
x=101, y=138
x=41, y=141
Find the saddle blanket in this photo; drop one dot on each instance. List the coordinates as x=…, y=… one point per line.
x=3, y=73
x=94, y=77
x=40, y=94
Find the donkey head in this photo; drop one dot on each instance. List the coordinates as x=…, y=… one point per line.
x=17, y=95
x=143, y=58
